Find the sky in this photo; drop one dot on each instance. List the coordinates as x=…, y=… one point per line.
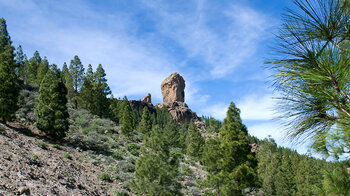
x=218, y=46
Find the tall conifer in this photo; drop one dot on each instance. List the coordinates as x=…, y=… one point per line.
x=238, y=162
x=156, y=171
x=51, y=110
x=101, y=91
x=127, y=120
x=145, y=125
x=76, y=70
x=8, y=80
x=32, y=68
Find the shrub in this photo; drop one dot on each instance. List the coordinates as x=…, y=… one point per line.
x=135, y=152
x=118, y=155
x=122, y=192
x=27, y=132
x=57, y=146
x=126, y=166
x=35, y=156
x=105, y=177
x=68, y=156
x=42, y=145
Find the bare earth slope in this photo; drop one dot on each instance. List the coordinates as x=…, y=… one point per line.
x=35, y=166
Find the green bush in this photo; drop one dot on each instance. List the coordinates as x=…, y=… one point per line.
x=57, y=146
x=125, y=166
x=68, y=156
x=27, y=132
x=35, y=156
x=118, y=155
x=105, y=177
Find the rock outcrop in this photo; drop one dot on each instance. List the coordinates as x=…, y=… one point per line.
x=139, y=105
x=147, y=98
x=173, y=88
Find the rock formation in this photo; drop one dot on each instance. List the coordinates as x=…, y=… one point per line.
x=173, y=88
x=147, y=98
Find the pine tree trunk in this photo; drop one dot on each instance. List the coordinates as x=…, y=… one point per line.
x=218, y=188
x=4, y=120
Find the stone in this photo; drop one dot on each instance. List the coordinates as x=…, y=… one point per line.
x=173, y=88
x=147, y=98
x=23, y=190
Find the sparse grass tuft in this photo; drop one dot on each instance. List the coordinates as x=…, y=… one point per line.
x=105, y=177
x=42, y=145
x=35, y=156
x=67, y=155
x=57, y=146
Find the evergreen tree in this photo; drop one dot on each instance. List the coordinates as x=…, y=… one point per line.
x=145, y=125
x=114, y=109
x=9, y=90
x=76, y=70
x=156, y=171
x=194, y=141
x=269, y=160
x=42, y=69
x=337, y=181
x=32, y=69
x=127, y=121
x=21, y=61
x=211, y=158
x=51, y=110
x=68, y=81
x=285, y=185
x=100, y=92
x=87, y=92
x=171, y=132
x=238, y=162
x=65, y=71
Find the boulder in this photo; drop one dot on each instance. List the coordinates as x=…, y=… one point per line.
x=173, y=88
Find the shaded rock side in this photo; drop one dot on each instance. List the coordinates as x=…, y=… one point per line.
x=147, y=98
x=182, y=113
x=139, y=105
x=173, y=88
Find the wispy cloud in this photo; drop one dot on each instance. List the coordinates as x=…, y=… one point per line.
x=222, y=48
x=134, y=66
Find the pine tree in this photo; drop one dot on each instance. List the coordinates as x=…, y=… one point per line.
x=194, y=141
x=212, y=154
x=156, y=171
x=101, y=91
x=51, y=110
x=285, y=185
x=87, y=92
x=127, y=121
x=8, y=89
x=145, y=125
x=238, y=162
x=42, y=69
x=269, y=160
x=114, y=109
x=21, y=61
x=32, y=69
x=76, y=70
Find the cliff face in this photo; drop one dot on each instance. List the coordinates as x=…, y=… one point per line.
x=173, y=88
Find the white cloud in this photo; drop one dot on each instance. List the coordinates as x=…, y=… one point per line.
x=257, y=107
x=134, y=66
x=222, y=50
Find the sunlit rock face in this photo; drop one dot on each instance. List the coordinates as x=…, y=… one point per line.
x=173, y=88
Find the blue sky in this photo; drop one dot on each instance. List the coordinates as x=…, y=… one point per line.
x=219, y=47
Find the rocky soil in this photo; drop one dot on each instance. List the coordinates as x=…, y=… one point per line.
x=33, y=165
